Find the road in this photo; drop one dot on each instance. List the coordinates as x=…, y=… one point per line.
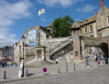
x=98, y=75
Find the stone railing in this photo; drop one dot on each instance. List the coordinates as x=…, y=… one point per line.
x=57, y=39
x=60, y=47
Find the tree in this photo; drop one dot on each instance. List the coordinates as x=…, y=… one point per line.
x=62, y=26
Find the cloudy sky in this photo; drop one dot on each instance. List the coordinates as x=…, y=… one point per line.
x=18, y=15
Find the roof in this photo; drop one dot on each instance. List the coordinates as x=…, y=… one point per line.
x=45, y=30
x=84, y=22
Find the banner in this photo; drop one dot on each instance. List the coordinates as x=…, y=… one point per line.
x=32, y=38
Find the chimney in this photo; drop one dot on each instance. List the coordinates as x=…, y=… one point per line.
x=102, y=3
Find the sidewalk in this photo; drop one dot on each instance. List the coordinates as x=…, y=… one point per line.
x=12, y=72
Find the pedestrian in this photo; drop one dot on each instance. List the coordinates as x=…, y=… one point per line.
x=86, y=60
x=98, y=61
x=106, y=60
x=96, y=58
x=2, y=63
x=102, y=57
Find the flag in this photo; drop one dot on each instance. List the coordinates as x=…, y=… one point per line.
x=41, y=11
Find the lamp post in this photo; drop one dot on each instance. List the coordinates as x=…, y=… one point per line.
x=59, y=65
x=22, y=60
x=63, y=52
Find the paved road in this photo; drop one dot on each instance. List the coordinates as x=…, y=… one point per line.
x=12, y=72
x=98, y=75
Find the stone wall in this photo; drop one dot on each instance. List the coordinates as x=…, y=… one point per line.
x=102, y=18
x=55, y=42
x=105, y=32
x=42, y=38
x=18, y=51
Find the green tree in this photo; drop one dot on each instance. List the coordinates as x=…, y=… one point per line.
x=62, y=26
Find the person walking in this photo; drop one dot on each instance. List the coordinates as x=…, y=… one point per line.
x=96, y=58
x=86, y=60
x=106, y=60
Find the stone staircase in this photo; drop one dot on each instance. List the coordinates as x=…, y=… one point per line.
x=38, y=63
x=57, y=48
x=48, y=61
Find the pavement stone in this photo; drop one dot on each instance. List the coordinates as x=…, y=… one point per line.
x=98, y=75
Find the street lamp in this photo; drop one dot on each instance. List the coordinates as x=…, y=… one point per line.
x=22, y=59
x=59, y=65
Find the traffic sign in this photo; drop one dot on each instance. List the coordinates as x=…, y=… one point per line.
x=44, y=69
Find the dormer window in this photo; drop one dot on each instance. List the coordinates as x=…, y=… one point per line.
x=86, y=29
x=91, y=29
x=19, y=48
x=80, y=31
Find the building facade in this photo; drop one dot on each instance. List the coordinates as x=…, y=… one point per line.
x=96, y=26
x=1, y=53
x=8, y=52
x=39, y=44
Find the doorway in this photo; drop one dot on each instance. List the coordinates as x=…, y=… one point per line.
x=104, y=47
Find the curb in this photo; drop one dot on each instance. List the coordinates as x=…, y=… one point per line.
x=42, y=76
x=28, y=78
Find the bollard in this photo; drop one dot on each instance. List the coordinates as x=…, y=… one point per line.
x=26, y=74
x=59, y=70
x=84, y=66
x=67, y=67
x=92, y=65
x=74, y=67
x=4, y=75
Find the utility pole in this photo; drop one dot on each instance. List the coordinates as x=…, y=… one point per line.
x=66, y=64
x=63, y=52
x=23, y=61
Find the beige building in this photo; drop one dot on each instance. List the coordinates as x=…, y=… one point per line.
x=38, y=44
x=46, y=47
x=96, y=26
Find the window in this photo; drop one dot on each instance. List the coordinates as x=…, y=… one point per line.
x=91, y=36
x=91, y=29
x=99, y=35
x=85, y=29
x=80, y=31
x=39, y=54
x=77, y=32
x=47, y=36
x=108, y=19
x=20, y=48
x=76, y=53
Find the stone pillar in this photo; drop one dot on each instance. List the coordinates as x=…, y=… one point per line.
x=47, y=54
x=76, y=47
x=95, y=30
x=43, y=54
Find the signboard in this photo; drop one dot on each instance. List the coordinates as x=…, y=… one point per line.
x=44, y=69
x=32, y=38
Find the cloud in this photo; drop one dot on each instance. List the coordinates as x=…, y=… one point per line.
x=62, y=3
x=86, y=8
x=9, y=13
x=6, y=38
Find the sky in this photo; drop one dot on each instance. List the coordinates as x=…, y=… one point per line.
x=18, y=15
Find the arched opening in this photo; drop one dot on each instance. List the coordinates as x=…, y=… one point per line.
x=104, y=47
